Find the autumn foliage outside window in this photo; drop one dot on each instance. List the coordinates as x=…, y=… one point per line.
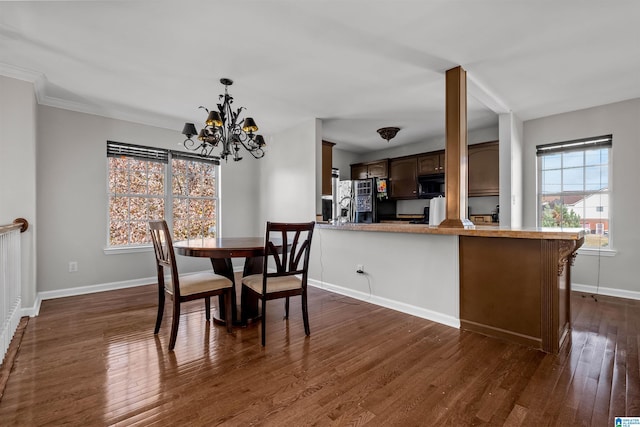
x=194, y=199
x=137, y=193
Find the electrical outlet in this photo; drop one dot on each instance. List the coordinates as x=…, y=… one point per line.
x=360, y=268
x=73, y=266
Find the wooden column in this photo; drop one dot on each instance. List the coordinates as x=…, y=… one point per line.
x=456, y=150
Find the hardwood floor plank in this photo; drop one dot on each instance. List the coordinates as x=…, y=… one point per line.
x=617, y=403
x=93, y=360
x=603, y=391
x=633, y=367
x=516, y=416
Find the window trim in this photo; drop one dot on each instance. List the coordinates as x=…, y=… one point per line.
x=154, y=154
x=582, y=144
x=605, y=252
x=130, y=249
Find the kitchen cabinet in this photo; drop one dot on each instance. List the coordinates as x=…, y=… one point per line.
x=327, y=162
x=377, y=169
x=484, y=170
x=403, y=178
x=431, y=163
x=359, y=171
x=403, y=172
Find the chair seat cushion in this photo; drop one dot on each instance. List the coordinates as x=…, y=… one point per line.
x=200, y=282
x=274, y=284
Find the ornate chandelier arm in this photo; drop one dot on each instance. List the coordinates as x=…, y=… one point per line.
x=222, y=128
x=256, y=152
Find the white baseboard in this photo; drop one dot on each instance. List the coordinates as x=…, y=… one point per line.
x=383, y=302
x=424, y=313
x=600, y=290
x=402, y=307
x=82, y=290
x=33, y=310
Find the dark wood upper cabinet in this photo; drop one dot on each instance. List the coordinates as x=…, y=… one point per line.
x=431, y=163
x=327, y=162
x=484, y=170
x=403, y=172
x=403, y=178
x=377, y=169
x=359, y=171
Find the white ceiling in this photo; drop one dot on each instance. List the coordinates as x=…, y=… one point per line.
x=357, y=65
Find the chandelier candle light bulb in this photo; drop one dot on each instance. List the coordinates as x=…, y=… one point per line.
x=223, y=128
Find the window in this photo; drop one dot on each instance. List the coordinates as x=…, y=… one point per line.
x=574, y=187
x=137, y=193
x=194, y=197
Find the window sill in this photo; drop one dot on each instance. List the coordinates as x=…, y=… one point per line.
x=597, y=252
x=127, y=249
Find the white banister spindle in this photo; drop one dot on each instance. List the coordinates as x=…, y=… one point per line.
x=9, y=287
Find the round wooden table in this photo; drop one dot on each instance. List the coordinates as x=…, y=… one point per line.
x=220, y=251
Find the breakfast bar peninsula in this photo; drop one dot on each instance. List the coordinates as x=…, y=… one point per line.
x=513, y=284
x=510, y=283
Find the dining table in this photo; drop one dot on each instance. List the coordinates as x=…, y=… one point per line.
x=221, y=251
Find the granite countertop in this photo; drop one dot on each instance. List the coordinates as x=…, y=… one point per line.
x=478, y=230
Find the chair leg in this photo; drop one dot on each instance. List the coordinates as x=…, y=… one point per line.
x=174, y=324
x=207, y=308
x=227, y=312
x=286, y=308
x=264, y=321
x=160, y=310
x=305, y=313
x=243, y=305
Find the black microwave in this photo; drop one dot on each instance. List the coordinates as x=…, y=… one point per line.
x=430, y=186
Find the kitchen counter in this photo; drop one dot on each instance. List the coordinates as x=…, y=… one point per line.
x=477, y=231
x=512, y=283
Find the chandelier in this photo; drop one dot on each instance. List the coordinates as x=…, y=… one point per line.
x=223, y=128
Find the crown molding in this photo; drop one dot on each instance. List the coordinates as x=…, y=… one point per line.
x=25, y=74
x=143, y=118
x=39, y=81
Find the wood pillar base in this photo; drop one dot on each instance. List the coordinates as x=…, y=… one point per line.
x=456, y=223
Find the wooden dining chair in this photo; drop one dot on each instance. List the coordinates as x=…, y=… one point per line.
x=182, y=288
x=287, y=245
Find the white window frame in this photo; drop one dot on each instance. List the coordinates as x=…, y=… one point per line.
x=173, y=155
x=168, y=191
x=580, y=145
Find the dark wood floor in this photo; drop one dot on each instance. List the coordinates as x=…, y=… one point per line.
x=93, y=360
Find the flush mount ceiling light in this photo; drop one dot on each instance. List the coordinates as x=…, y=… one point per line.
x=223, y=128
x=388, y=133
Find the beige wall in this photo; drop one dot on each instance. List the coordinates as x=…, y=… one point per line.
x=72, y=199
x=620, y=272
x=412, y=273
x=18, y=171
x=288, y=178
